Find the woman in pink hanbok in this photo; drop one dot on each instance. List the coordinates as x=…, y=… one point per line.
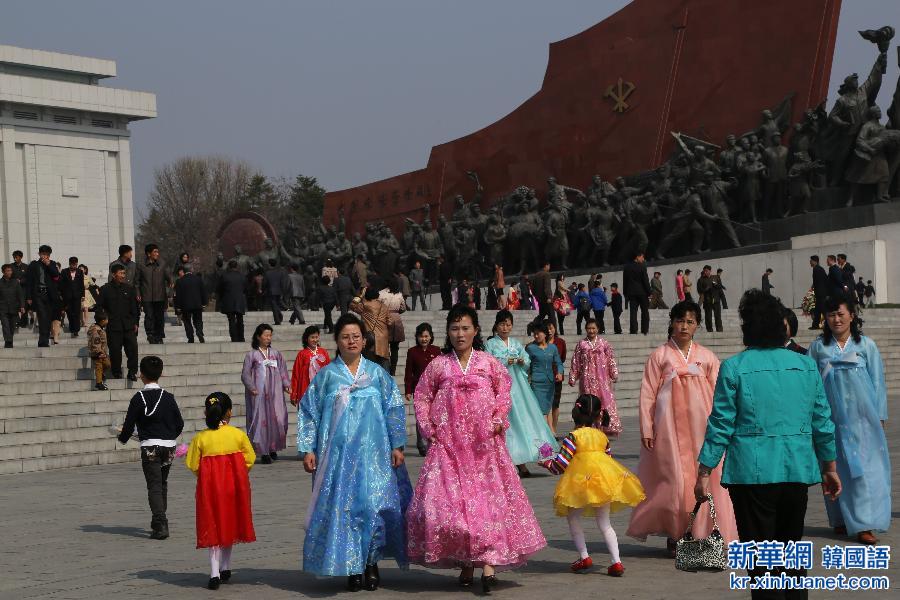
x=675, y=402
x=594, y=368
x=469, y=508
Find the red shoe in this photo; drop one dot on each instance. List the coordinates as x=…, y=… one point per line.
x=616, y=570
x=867, y=538
x=581, y=565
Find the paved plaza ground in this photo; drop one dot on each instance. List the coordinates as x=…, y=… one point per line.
x=82, y=533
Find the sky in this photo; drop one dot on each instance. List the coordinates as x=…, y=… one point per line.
x=347, y=91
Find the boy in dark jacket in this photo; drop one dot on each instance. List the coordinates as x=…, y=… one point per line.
x=155, y=413
x=616, y=303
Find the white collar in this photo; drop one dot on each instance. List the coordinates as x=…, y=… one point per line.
x=152, y=386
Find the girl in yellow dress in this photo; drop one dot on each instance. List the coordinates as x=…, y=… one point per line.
x=592, y=482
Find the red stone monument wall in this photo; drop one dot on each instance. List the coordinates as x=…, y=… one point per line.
x=612, y=94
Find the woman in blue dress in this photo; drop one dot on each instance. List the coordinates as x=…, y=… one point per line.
x=853, y=374
x=351, y=429
x=528, y=437
x=544, y=357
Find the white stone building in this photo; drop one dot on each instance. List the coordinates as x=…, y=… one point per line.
x=65, y=162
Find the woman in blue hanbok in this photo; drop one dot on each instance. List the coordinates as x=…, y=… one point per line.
x=853, y=375
x=528, y=438
x=351, y=428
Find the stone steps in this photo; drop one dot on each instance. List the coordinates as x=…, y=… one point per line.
x=50, y=417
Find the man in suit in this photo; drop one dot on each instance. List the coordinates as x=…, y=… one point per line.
x=71, y=287
x=543, y=290
x=836, y=284
x=232, y=300
x=126, y=253
x=636, y=289
x=767, y=287
x=190, y=298
x=275, y=284
x=848, y=271
x=820, y=289
x=656, y=297
x=42, y=292
x=119, y=300
x=445, y=283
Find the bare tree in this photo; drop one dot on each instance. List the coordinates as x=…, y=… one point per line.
x=189, y=200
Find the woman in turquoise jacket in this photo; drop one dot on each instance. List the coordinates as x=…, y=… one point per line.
x=771, y=420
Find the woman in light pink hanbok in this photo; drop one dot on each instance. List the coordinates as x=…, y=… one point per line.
x=469, y=508
x=594, y=368
x=675, y=402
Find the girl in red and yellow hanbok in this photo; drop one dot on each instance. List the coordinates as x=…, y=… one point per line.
x=221, y=457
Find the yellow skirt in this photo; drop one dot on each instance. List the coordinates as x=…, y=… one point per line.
x=591, y=484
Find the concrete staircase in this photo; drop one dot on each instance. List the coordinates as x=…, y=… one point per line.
x=50, y=418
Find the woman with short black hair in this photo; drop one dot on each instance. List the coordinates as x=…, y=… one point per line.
x=771, y=420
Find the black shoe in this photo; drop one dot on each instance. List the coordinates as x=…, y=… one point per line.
x=372, y=578
x=101, y=387
x=7, y=344
x=159, y=534
x=354, y=583
x=466, y=581
x=273, y=455
x=266, y=459
x=74, y=334
x=200, y=337
x=132, y=377
x=422, y=450
x=487, y=581
x=213, y=583
x=225, y=576
x=191, y=341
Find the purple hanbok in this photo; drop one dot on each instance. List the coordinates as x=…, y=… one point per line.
x=267, y=420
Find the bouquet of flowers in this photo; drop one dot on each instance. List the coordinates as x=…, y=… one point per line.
x=808, y=305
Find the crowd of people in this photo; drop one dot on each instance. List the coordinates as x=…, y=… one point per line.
x=487, y=408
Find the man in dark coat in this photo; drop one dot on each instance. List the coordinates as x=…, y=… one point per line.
x=12, y=304
x=119, y=300
x=709, y=293
x=445, y=283
x=232, y=300
x=42, y=292
x=71, y=287
x=636, y=289
x=820, y=289
x=343, y=288
x=275, y=284
x=152, y=280
x=20, y=270
x=190, y=299
x=767, y=286
x=836, y=284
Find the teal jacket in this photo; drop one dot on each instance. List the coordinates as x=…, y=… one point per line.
x=770, y=418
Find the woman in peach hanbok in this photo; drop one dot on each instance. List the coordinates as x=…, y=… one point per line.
x=675, y=402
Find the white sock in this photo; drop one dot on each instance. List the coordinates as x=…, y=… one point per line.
x=225, y=561
x=609, y=534
x=214, y=561
x=575, y=529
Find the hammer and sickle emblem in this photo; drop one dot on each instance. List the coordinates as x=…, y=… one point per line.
x=620, y=91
